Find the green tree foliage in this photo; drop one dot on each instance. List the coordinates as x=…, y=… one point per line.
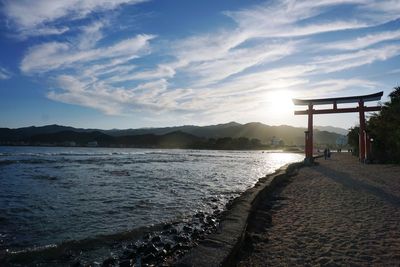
x=353, y=139
x=384, y=128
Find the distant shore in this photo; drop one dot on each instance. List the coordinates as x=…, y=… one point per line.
x=292, y=149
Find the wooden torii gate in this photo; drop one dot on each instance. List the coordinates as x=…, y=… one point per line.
x=361, y=109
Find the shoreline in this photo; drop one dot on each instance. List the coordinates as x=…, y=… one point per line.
x=221, y=248
x=267, y=150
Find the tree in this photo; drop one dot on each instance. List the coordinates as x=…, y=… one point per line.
x=353, y=139
x=384, y=128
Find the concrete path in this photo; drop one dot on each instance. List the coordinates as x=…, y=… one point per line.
x=337, y=213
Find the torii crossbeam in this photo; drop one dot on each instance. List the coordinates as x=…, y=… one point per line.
x=361, y=109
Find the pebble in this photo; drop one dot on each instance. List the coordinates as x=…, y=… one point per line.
x=187, y=229
x=109, y=262
x=199, y=215
x=155, y=239
x=149, y=257
x=126, y=263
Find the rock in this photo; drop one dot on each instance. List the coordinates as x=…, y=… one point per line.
x=197, y=233
x=76, y=264
x=149, y=257
x=216, y=212
x=187, y=229
x=168, y=246
x=126, y=263
x=147, y=236
x=214, y=207
x=142, y=249
x=129, y=254
x=156, y=239
x=152, y=249
x=202, y=220
x=109, y=262
x=181, y=238
x=173, y=231
x=199, y=215
x=167, y=226
x=132, y=246
x=214, y=199
x=211, y=219
x=163, y=253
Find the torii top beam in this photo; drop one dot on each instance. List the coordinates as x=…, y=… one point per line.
x=338, y=100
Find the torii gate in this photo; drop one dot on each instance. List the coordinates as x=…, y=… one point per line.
x=361, y=109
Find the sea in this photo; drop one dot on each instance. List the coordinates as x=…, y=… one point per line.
x=51, y=196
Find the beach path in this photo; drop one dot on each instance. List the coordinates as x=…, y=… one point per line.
x=339, y=212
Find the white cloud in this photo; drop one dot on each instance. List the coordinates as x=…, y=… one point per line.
x=26, y=15
x=281, y=18
x=238, y=60
x=162, y=71
x=379, y=11
x=340, y=62
x=108, y=99
x=4, y=74
x=364, y=41
x=91, y=34
x=55, y=55
x=25, y=33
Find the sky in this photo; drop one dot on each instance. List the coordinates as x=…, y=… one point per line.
x=136, y=63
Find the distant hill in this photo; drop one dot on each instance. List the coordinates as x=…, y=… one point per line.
x=332, y=129
x=181, y=136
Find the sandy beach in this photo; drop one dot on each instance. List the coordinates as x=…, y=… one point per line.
x=339, y=212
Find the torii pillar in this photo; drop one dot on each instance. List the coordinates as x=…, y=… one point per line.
x=361, y=109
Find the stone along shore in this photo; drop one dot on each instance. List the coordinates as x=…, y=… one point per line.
x=338, y=212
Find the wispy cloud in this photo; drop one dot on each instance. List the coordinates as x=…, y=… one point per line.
x=91, y=34
x=236, y=61
x=363, y=41
x=4, y=74
x=289, y=18
x=340, y=62
x=43, y=16
x=162, y=71
x=109, y=99
x=55, y=55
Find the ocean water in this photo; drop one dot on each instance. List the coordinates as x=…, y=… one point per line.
x=50, y=195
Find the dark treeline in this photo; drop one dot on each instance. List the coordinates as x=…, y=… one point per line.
x=176, y=139
x=384, y=129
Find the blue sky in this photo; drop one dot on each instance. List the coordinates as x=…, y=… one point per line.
x=133, y=63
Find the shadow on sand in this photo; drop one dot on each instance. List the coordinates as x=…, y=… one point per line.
x=346, y=180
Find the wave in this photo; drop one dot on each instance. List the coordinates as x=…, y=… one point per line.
x=116, y=161
x=25, y=161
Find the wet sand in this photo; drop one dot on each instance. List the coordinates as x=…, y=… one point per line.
x=339, y=212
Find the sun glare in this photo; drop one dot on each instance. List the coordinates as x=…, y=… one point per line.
x=280, y=101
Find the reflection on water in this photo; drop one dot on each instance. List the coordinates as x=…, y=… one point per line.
x=50, y=195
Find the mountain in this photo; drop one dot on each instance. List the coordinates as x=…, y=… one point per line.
x=26, y=132
x=332, y=129
x=164, y=137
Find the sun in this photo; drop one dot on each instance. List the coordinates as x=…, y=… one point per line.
x=280, y=101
